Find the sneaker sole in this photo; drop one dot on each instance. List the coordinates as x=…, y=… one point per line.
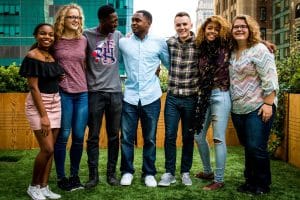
x=166, y=185
x=77, y=188
x=33, y=197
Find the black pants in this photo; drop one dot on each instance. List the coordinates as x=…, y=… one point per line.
x=109, y=104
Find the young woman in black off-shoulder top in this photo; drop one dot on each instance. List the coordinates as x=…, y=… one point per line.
x=42, y=107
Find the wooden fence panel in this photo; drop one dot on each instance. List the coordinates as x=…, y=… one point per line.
x=15, y=132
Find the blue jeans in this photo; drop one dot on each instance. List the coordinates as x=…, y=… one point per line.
x=177, y=108
x=217, y=114
x=148, y=114
x=253, y=134
x=74, y=116
x=110, y=104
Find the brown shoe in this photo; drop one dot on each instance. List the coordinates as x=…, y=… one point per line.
x=214, y=186
x=202, y=175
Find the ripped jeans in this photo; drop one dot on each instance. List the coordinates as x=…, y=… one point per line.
x=217, y=114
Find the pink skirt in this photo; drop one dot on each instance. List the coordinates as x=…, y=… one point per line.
x=52, y=106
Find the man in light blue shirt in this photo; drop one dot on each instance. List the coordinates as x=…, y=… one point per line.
x=142, y=54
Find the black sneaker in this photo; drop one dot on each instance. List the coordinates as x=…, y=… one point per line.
x=64, y=184
x=75, y=183
x=246, y=188
x=112, y=180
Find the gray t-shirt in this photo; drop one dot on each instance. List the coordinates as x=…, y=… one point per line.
x=103, y=61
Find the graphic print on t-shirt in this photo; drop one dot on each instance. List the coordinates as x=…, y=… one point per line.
x=104, y=52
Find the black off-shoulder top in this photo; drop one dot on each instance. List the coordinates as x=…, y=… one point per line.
x=48, y=73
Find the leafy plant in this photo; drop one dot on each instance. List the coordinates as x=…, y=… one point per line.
x=163, y=77
x=10, y=80
x=288, y=71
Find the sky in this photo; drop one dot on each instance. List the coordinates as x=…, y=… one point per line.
x=163, y=13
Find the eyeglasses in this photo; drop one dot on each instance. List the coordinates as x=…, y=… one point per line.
x=73, y=17
x=236, y=27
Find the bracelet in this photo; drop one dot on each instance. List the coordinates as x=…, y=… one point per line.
x=268, y=104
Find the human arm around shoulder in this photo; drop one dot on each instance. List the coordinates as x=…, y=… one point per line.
x=164, y=54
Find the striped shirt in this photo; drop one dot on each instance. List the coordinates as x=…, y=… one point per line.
x=252, y=77
x=183, y=71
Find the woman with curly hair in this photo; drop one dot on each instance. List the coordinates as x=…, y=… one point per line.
x=253, y=88
x=213, y=40
x=70, y=52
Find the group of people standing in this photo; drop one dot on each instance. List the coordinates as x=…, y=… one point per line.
x=73, y=77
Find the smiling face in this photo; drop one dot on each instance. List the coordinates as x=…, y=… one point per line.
x=140, y=24
x=240, y=30
x=109, y=24
x=45, y=37
x=212, y=31
x=183, y=26
x=73, y=20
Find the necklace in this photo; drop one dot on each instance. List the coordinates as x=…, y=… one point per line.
x=46, y=54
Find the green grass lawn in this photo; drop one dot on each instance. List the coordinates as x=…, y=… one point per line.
x=16, y=168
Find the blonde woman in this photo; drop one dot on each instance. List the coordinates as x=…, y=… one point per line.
x=253, y=88
x=69, y=51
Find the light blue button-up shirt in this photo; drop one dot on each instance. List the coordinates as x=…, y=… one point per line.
x=141, y=59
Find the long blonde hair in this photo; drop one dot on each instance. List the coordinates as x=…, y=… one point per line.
x=254, y=30
x=59, y=24
x=224, y=33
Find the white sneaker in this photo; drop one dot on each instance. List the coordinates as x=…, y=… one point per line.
x=49, y=194
x=186, y=179
x=35, y=193
x=126, y=179
x=150, y=181
x=167, y=179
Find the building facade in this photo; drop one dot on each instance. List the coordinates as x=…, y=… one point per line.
x=19, y=17
x=204, y=10
x=261, y=10
x=295, y=25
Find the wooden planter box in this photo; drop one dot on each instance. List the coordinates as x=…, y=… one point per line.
x=293, y=129
x=16, y=133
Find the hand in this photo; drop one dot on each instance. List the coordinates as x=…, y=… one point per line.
x=157, y=71
x=272, y=47
x=45, y=123
x=266, y=112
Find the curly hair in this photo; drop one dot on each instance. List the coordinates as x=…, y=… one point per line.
x=253, y=27
x=225, y=27
x=59, y=24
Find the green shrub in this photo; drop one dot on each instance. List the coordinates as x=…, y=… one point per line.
x=10, y=80
x=288, y=71
x=163, y=77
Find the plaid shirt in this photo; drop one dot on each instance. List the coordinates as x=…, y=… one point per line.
x=183, y=71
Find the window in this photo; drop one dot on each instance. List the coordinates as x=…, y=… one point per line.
x=297, y=14
x=297, y=34
x=263, y=13
x=277, y=8
x=9, y=30
x=277, y=23
x=9, y=9
x=286, y=36
x=286, y=19
x=263, y=33
x=277, y=39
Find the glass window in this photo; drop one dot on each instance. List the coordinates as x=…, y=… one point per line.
x=12, y=9
x=263, y=33
x=277, y=39
x=277, y=8
x=6, y=9
x=263, y=13
x=277, y=23
x=297, y=14
x=286, y=36
x=1, y=9
x=17, y=30
x=17, y=9
x=1, y=30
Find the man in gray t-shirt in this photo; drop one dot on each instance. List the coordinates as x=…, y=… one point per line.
x=105, y=92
